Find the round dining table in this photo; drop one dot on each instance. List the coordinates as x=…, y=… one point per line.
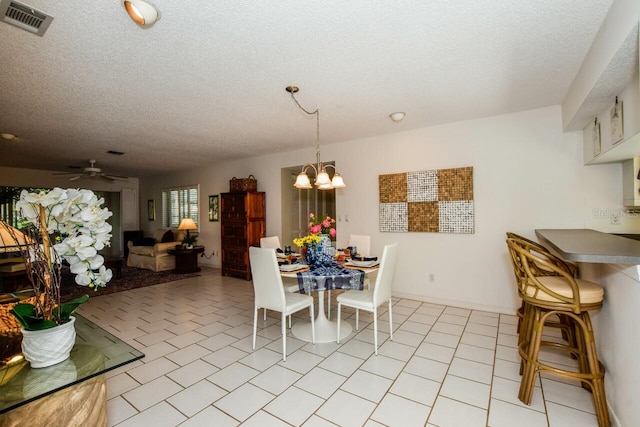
x=319, y=280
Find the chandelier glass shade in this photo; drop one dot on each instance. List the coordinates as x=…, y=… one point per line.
x=322, y=181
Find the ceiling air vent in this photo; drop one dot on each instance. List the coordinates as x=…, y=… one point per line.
x=24, y=17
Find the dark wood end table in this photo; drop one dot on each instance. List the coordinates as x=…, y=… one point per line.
x=115, y=264
x=186, y=259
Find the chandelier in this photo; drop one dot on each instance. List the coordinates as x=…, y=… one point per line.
x=323, y=182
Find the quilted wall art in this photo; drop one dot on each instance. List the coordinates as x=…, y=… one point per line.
x=433, y=201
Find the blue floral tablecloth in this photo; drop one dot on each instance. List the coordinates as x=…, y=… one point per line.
x=330, y=277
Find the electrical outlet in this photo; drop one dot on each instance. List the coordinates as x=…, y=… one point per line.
x=615, y=218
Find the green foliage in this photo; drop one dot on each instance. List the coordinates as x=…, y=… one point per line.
x=189, y=240
x=29, y=319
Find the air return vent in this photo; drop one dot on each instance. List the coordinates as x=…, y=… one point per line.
x=25, y=17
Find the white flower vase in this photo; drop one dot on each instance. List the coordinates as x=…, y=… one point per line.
x=49, y=346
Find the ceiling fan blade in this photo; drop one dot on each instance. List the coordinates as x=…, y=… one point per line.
x=74, y=178
x=64, y=173
x=118, y=177
x=106, y=178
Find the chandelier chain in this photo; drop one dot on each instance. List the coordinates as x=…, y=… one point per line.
x=311, y=113
x=322, y=180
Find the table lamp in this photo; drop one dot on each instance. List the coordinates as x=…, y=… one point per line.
x=11, y=239
x=187, y=224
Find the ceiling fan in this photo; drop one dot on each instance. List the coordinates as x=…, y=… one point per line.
x=93, y=172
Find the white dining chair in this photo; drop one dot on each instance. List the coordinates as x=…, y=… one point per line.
x=363, y=243
x=272, y=242
x=370, y=300
x=290, y=285
x=269, y=293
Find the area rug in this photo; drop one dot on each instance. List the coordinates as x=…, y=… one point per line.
x=131, y=278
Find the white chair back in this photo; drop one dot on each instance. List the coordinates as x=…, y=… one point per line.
x=267, y=282
x=363, y=243
x=382, y=289
x=272, y=242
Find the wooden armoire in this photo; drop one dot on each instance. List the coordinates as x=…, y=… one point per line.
x=243, y=223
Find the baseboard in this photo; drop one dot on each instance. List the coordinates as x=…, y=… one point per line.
x=460, y=304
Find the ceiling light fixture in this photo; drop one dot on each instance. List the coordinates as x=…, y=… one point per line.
x=7, y=136
x=323, y=182
x=141, y=12
x=398, y=116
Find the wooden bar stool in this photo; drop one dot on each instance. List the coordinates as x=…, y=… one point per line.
x=559, y=294
x=563, y=322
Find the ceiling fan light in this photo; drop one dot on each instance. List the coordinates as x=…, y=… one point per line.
x=141, y=12
x=323, y=178
x=302, y=181
x=337, y=181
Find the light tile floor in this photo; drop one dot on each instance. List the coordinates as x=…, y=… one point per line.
x=446, y=366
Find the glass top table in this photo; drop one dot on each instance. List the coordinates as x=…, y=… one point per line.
x=96, y=351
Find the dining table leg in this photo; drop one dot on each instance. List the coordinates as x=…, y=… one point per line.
x=325, y=328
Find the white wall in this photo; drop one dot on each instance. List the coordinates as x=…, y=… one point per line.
x=528, y=174
x=617, y=328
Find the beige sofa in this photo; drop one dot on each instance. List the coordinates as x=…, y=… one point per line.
x=154, y=255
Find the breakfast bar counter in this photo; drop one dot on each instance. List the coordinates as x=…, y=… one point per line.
x=584, y=245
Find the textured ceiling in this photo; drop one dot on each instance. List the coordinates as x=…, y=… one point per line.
x=206, y=82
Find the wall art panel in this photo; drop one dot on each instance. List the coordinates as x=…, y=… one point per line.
x=433, y=201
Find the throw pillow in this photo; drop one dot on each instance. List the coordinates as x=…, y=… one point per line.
x=167, y=237
x=145, y=241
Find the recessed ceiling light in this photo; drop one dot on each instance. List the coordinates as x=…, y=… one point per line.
x=397, y=116
x=141, y=12
x=7, y=136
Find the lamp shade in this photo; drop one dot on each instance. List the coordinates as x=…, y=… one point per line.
x=325, y=186
x=11, y=239
x=337, y=181
x=141, y=12
x=302, y=181
x=187, y=224
x=323, y=178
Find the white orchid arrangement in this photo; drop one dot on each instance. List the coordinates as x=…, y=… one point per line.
x=80, y=225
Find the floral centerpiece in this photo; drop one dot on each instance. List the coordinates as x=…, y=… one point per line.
x=318, y=229
x=63, y=224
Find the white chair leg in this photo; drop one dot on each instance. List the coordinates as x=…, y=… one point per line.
x=375, y=330
x=255, y=325
x=390, y=321
x=338, y=333
x=265, y=315
x=329, y=304
x=289, y=321
x=313, y=326
x=357, y=317
x=283, y=321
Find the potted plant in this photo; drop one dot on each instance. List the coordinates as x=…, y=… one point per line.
x=315, y=245
x=188, y=241
x=62, y=225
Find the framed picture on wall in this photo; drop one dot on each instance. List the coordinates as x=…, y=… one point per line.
x=597, y=145
x=151, y=210
x=214, y=208
x=617, y=130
